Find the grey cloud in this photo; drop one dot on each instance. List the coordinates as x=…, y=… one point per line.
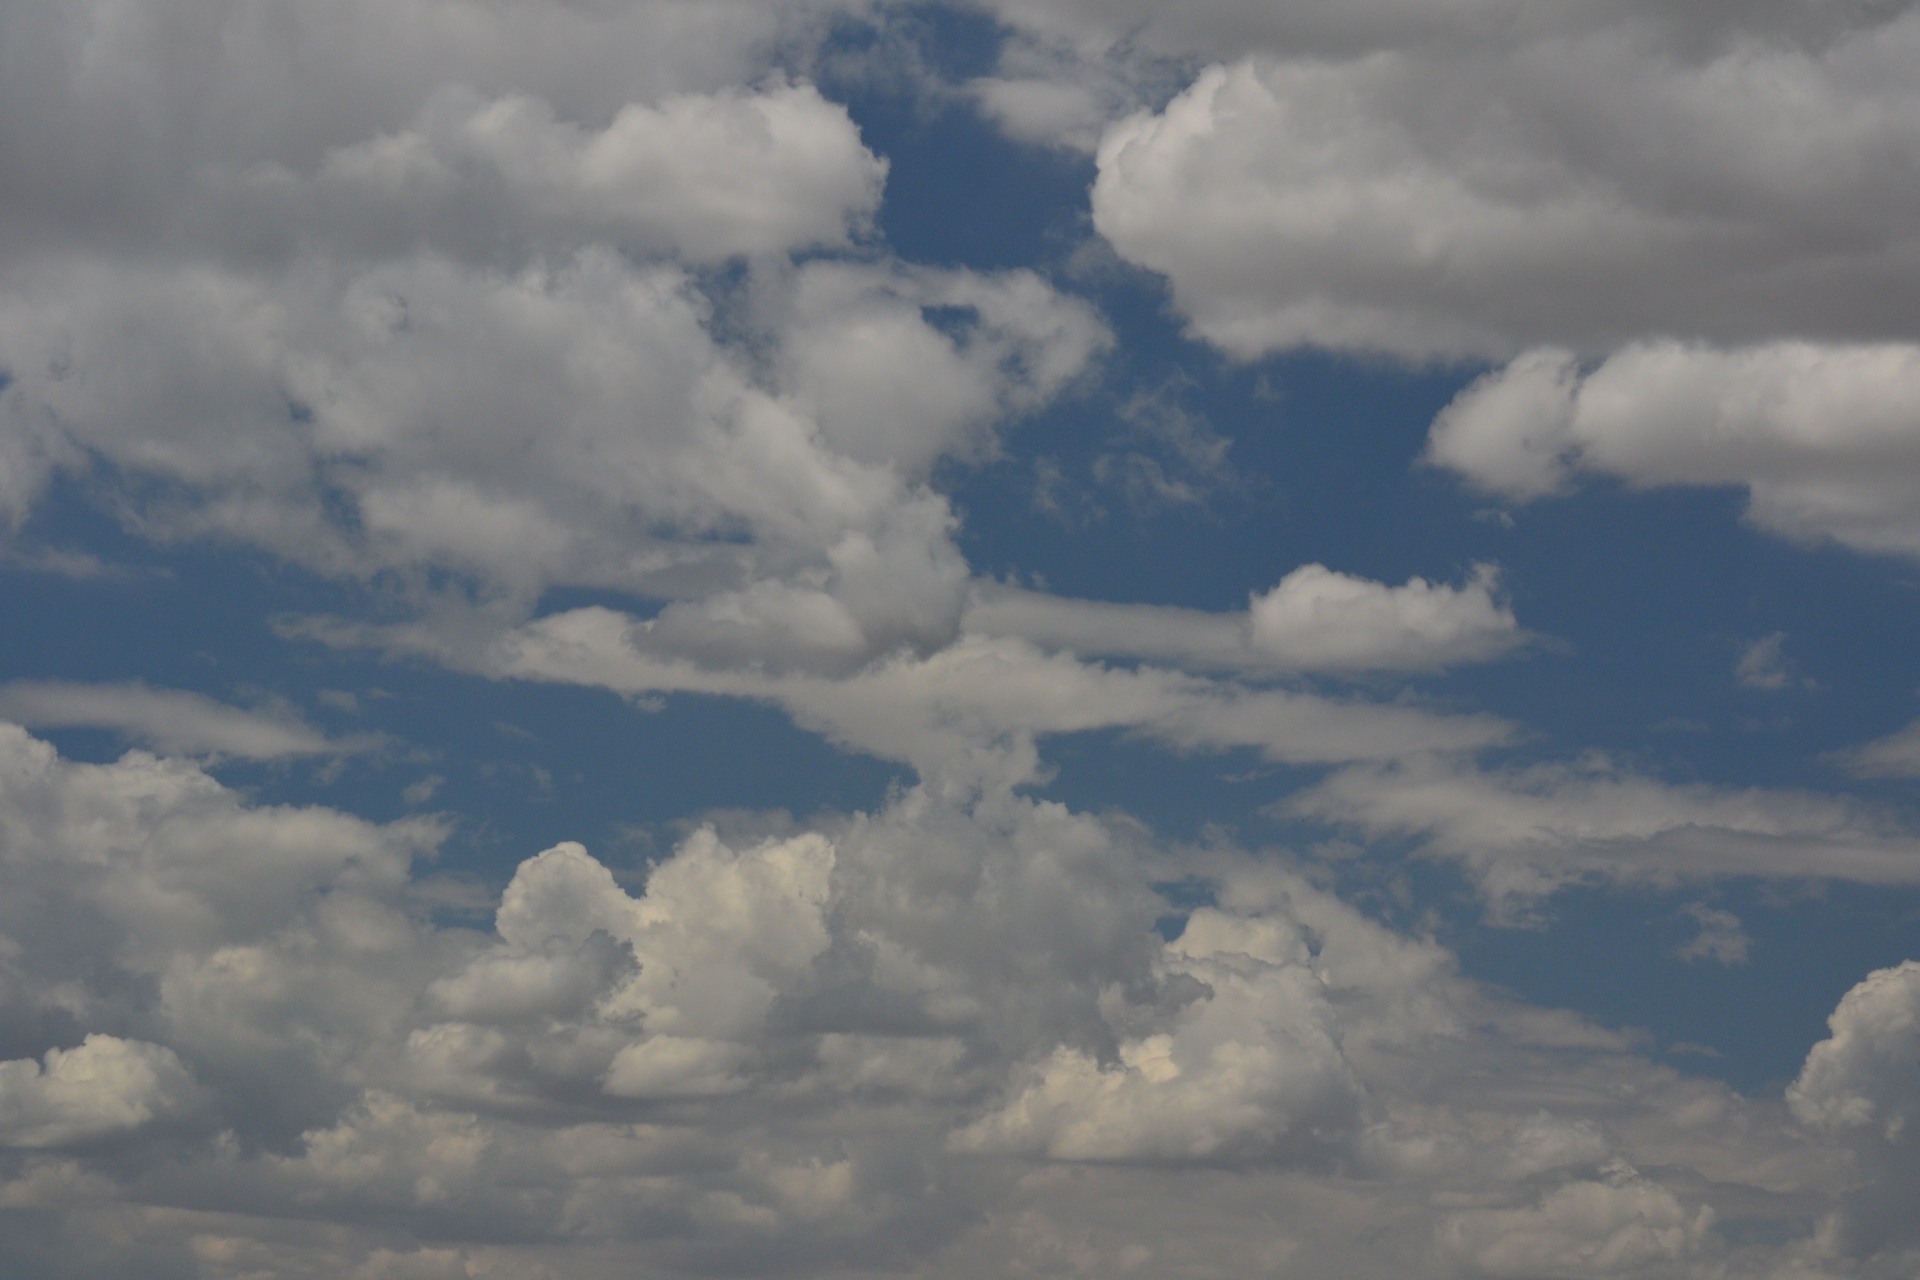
x=1524, y=833
x=934, y=1039
x=105, y=1086
x=171, y=720
x=1603, y=179
x=1895, y=756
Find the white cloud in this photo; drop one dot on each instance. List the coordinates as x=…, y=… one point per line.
x=1526, y=832
x=171, y=721
x=604, y=439
x=703, y=176
x=1863, y=1085
x=1824, y=438
x=1315, y=619
x=105, y=1086
x=1614, y=171
x=941, y=1038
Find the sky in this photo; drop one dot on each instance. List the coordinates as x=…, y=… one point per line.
x=829, y=638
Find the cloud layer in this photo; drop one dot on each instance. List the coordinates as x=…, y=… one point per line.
x=929, y=1039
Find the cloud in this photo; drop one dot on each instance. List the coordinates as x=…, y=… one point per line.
x=1616, y=171
x=737, y=1063
x=1862, y=1085
x=1722, y=939
x=1763, y=666
x=170, y=721
x=1523, y=833
x=1821, y=436
x=1315, y=619
x=703, y=176
x=453, y=321
x=969, y=715
x=105, y=1086
x=606, y=439
x=1895, y=756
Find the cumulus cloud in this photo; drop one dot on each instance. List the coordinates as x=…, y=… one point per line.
x=1526, y=832
x=739, y=1061
x=1822, y=437
x=451, y=326
x=1613, y=172
x=104, y=1086
x=604, y=437
x=171, y=721
x=1862, y=1084
x=1315, y=619
x=703, y=176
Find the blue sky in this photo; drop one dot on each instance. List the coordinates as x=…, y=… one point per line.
x=938, y=640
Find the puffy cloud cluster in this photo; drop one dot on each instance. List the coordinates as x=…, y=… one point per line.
x=1708, y=205
x=924, y=1040
x=1463, y=180
x=522, y=312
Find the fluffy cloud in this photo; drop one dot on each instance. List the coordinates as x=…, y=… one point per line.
x=1863, y=1084
x=1523, y=833
x=705, y=177
x=179, y=126
x=452, y=326
x=863, y=1044
x=567, y=424
x=1823, y=438
x=1315, y=619
x=105, y=1086
x=1612, y=172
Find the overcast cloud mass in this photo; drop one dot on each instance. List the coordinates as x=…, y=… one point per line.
x=668, y=638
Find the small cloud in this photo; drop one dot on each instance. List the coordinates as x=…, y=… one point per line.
x=1895, y=756
x=172, y=721
x=1494, y=515
x=339, y=700
x=1763, y=665
x=81, y=566
x=1680, y=724
x=1688, y=1048
x=1721, y=939
x=424, y=790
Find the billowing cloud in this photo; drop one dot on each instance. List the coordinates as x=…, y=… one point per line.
x=1824, y=439
x=738, y=1061
x=1863, y=1085
x=105, y=1086
x=1612, y=172
x=1315, y=619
